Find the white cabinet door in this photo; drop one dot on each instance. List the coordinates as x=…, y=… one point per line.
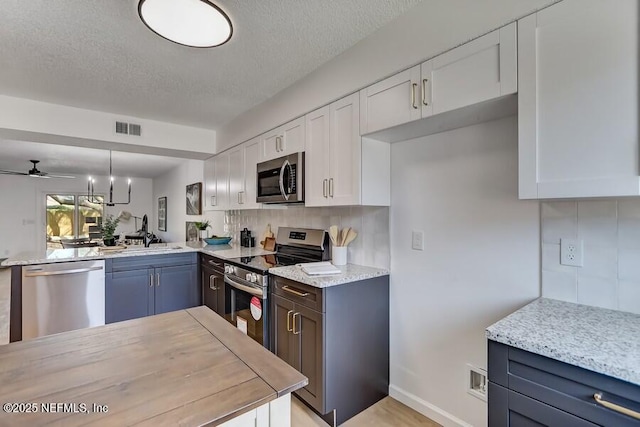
x=316, y=185
x=251, y=151
x=209, y=196
x=391, y=102
x=578, y=100
x=345, y=149
x=293, y=136
x=483, y=69
x=284, y=140
x=221, y=165
x=236, y=176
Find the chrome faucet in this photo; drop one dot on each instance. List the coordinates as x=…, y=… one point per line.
x=145, y=231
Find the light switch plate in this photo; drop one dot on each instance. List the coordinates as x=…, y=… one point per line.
x=571, y=252
x=417, y=240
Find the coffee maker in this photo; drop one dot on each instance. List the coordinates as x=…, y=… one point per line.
x=246, y=240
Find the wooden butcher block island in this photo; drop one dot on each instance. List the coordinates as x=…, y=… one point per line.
x=187, y=368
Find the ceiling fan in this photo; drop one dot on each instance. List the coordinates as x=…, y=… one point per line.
x=34, y=172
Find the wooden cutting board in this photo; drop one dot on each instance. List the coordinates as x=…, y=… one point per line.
x=269, y=243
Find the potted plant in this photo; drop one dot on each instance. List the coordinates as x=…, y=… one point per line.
x=202, y=226
x=109, y=225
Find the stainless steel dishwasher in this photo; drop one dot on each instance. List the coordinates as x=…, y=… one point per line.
x=61, y=297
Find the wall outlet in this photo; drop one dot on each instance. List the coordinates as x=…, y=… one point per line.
x=571, y=252
x=477, y=382
x=417, y=240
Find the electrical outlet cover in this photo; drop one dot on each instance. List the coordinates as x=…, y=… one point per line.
x=571, y=252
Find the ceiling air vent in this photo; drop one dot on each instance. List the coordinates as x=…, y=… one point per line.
x=128, y=128
x=134, y=129
x=122, y=127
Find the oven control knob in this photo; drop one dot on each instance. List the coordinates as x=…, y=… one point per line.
x=247, y=277
x=228, y=269
x=254, y=278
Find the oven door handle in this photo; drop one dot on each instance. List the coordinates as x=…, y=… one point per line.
x=249, y=289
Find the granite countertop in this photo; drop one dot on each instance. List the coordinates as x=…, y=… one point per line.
x=597, y=339
x=79, y=254
x=188, y=367
x=350, y=273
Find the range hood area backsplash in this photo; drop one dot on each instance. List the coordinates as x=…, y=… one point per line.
x=371, y=247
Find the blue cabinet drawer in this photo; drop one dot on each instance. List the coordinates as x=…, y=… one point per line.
x=153, y=261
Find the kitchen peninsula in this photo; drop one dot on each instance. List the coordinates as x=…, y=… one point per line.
x=188, y=367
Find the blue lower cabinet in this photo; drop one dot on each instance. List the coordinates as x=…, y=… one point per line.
x=137, y=287
x=176, y=288
x=527, y=389
x=128, y=295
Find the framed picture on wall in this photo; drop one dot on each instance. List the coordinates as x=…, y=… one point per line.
x=194, y=199
x=162, y=213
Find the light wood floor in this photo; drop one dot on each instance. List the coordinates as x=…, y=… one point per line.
x=387, y=412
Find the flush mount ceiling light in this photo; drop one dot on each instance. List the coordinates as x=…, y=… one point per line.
x=194, y=23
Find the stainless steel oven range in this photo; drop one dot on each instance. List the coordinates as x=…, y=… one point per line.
x=247, y=281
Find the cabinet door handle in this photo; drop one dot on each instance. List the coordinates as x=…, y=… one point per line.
x=330, y=187
x=239, y=202
x=151, y=280
x=217, y=264
x=295, y=292
x=213, y=200
x=158, y=279
x=212, y=283
x=289, y=328
x=324, y=188
x=414, y=86
x=294, y=324
x=598, y=398
x=425, y=82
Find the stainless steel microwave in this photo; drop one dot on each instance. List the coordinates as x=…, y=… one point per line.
x=281, y=180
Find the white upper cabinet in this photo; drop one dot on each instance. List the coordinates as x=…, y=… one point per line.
x=284, y=140
x=481, y=70
x=209, y=196
x=221, y=165
x=334, y=159
x=578, y=100
x=251, y=153
x=236, y=176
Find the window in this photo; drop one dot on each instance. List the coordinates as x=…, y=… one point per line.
x=72, y=216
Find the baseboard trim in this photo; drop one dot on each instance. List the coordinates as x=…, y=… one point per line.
x=427, y=409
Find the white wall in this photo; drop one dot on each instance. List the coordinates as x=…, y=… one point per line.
x=173, y=185
x=423, y=32
x=22, y=209
x=480, y=262
x=610, y=231
x=45, y=122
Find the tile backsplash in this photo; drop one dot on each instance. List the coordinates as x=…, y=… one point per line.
x=610, y=231
x=370, y=248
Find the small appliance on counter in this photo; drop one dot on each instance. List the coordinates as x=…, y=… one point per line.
x=246, y=240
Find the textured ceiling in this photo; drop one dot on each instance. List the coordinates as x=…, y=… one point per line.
x=80, y=161
x=98, y=54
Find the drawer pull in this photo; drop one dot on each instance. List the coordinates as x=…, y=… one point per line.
x=289, y=321
x=295, y=292
x=294, y=324
x=614, y=407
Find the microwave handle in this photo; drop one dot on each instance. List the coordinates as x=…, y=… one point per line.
x=285, y=165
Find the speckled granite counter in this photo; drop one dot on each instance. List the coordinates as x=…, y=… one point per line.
x=64, y=255
x=601, y=340
x=350, y=273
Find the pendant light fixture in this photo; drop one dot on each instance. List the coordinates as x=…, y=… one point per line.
x=193, y=23
x=91, y=197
